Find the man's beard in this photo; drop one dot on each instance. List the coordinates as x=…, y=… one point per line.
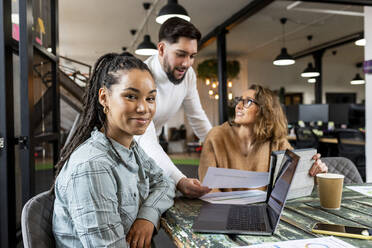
x=170, y=73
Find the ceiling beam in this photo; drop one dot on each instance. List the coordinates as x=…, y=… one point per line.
x=329, y=44
x=240, y=16
x=346, y=2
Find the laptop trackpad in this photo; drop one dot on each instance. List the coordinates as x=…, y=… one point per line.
x=212, y=215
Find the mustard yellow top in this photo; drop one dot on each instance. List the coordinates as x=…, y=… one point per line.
x=222, y=149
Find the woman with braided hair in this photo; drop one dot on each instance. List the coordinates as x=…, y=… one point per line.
x=109, y=193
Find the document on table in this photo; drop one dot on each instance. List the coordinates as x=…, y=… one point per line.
x=231, y=178
x=328, y=242
x=365, y=190
x=235, y=197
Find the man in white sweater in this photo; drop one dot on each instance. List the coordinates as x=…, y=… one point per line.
x=176, y=87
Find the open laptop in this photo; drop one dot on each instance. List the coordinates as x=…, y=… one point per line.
x=260, y=219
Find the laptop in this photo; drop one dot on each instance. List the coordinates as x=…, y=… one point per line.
x=259, y=219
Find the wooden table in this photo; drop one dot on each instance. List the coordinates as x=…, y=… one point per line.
x=296, y=222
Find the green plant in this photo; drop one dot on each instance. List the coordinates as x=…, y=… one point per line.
x=209, y=69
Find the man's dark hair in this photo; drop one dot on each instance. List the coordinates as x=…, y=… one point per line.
x=175, y=27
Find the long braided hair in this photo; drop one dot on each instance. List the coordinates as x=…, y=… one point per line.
x=105, y=74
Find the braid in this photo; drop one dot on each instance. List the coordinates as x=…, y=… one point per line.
x=104, y=75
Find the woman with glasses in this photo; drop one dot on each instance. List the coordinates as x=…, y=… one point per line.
x=259, y=128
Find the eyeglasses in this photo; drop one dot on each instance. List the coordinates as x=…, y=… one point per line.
x=247, y=102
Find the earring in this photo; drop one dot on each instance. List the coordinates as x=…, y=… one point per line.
x=105, y=109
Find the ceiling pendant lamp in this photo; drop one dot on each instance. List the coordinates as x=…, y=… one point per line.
x=311, y=80
x=360, y=42
x=146, y=47
x=172, y=9
x=310, y=71
x=283, y=58
x=358, y=79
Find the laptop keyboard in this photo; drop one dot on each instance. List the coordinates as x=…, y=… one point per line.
x=242, y=218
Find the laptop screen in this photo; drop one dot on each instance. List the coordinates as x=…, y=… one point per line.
x=281, y=188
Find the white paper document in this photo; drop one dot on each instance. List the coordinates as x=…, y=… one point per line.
x=328, y=242
x=231, y=178
x=235, y=197
x=365, y=190
x=302, y=183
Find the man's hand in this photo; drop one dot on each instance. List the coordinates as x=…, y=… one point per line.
x=192, y=188
x=140, y=234
x=318, y=166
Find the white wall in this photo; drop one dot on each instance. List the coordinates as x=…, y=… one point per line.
x=368, y=77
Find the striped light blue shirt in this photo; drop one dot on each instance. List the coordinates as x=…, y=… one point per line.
x=99, y=195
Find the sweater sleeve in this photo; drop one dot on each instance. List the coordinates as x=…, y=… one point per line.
x=149, y=143
x=194, y=112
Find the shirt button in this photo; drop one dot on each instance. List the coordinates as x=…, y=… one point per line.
x=135, y=194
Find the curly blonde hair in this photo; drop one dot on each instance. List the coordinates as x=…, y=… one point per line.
x=271, y=123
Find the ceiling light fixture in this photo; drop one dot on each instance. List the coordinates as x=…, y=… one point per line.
x=146, y=47
x=311, y=80
x=283, y=58
x=172, y=9
x=360, y=42
x=310, y=71
x=358, y=79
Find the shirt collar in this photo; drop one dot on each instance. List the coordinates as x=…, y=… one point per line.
x=122, y=150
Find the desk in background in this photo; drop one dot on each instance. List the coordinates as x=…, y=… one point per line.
x=296, y=222
x=331, y=140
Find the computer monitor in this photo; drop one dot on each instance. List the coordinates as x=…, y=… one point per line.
x=339, y=113
x=357, y=117
x=291, y=112
x=313, y=112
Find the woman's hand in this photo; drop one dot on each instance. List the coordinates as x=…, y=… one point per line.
x=192, y=188
x=140, y=234
x=318, y=166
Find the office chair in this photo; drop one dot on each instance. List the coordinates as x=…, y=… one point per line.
x=344, y=166
x=351, y=144
x=306, y=138
x=36, y=221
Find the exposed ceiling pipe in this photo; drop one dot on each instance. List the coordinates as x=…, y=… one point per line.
x=293, y=6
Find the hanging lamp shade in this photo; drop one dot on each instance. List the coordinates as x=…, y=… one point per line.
x=172, y=9
x=357, y=80
x=284, y=58
x=311, y=80
x=360, y=42
x=310, y=71
x=146, y=47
